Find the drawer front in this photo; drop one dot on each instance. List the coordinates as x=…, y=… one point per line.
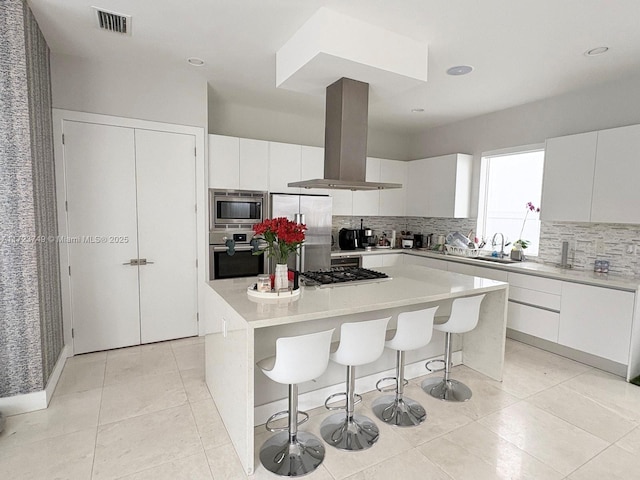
x=532, y=282
x=461, y=268
x=425, y=262
x=535, y=298
x=533, y=321
x=491, y=273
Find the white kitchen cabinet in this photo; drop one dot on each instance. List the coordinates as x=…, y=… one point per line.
x=426, y=262
x=440, y=186
x=342, y=202
x=367, y=202
x=616, y=194
x=491, y=273
x=372, y=261
x=312, y=166
x=394, y=200
x=224, y=162
x=238, y=163
x=284, y=167
x=463, y=268
x=391, y=259
x=254, y=164
x=596, y=320
x=130, y=195
x=534, y=305
x=567, y=185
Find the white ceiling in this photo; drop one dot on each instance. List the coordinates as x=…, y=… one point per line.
x=521, y=51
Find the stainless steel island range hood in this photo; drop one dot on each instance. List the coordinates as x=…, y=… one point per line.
x=345, y=139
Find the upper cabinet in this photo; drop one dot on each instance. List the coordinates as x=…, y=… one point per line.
x=312, y=166
x=567, y=183
x=439, y=186
x=393, y=201
x=284, y=167
x=238, y=163
x=591, y=177
x=367, y=202
x=615, y=185
x=254, y=164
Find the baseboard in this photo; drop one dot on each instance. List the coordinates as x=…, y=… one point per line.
x=30, y=402
x=316, y=398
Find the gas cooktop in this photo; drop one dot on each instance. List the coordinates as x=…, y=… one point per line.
x=343, y=276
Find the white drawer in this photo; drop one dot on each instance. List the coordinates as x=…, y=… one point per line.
x=532, y=282
x=534, y=297
x=533, y=321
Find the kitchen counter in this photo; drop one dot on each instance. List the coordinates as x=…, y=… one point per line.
x=241, y=331
x=630, y=284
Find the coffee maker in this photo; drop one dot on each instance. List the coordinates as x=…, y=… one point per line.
x=367, y=239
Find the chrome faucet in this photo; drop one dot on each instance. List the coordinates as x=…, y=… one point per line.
x=493, y=243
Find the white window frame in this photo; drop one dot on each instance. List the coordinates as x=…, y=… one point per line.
x=484, y=180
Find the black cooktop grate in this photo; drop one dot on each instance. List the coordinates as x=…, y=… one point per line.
x=343, y=275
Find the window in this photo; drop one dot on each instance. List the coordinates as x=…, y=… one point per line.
x=509, y=181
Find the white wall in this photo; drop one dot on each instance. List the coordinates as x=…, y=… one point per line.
x=141, y=91
x=606, y=106
x=233, y=119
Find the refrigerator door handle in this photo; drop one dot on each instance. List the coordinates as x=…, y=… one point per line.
x=299, y=219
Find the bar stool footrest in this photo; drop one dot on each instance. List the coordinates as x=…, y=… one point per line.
x=357, y=397
x=390, y=388
x=439, y=360
x=280, y=415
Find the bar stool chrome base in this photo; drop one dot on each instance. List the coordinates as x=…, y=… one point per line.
x=449, y=390
x=401, y=412
x=353, y=434
x=292, y=459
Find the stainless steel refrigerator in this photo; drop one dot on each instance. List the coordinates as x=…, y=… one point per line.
x=315, y=212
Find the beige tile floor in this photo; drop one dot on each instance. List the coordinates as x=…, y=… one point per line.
x=145, y=413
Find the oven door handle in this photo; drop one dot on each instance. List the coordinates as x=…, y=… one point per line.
x=238, y=248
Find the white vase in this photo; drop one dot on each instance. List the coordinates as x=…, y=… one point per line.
x=281, y=279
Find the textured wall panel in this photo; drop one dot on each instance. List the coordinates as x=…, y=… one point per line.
x=44, y=182
x=30, y=319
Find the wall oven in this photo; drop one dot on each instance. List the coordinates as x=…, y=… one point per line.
x=231, y=255
x=235, y=208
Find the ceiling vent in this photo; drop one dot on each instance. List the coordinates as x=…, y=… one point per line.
x=113, y=22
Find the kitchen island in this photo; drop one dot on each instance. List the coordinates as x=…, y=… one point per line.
x=241, y=331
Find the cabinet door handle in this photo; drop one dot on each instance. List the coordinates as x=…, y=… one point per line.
x=133, y=262
x=144, y=261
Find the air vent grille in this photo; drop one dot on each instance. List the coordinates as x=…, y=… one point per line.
x=114, y=22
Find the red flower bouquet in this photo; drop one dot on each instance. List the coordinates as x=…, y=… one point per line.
x=282, y=236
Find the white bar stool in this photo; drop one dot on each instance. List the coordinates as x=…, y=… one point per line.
x=298, y=359
x=414, y=331
x=465, y=313
x=360, y=343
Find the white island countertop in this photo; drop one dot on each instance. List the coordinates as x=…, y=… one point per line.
x=408, y=285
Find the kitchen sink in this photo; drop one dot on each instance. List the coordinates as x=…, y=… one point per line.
x=497, y=260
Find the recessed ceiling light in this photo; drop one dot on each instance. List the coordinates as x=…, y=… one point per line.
x=596, y=51
x=460, y=70
x=417, y=110
x=195, y=61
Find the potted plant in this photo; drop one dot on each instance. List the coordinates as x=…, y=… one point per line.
x=517, y=252
x=283, y=237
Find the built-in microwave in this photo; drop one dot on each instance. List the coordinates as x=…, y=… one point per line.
x=235, y=208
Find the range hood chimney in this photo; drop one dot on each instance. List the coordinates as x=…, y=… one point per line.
x=345, y=139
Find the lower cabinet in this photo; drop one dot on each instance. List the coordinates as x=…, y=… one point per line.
x=425, y=262
x=382, y=260
x=596, y=320
x=372, y=261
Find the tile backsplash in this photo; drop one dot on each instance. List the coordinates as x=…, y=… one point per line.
x=591, y=241
x=587, y=241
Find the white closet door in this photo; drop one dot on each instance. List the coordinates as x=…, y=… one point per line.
x=165, y=165
x=101, y=196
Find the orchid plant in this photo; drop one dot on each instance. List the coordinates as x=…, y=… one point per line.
x=521, y=243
